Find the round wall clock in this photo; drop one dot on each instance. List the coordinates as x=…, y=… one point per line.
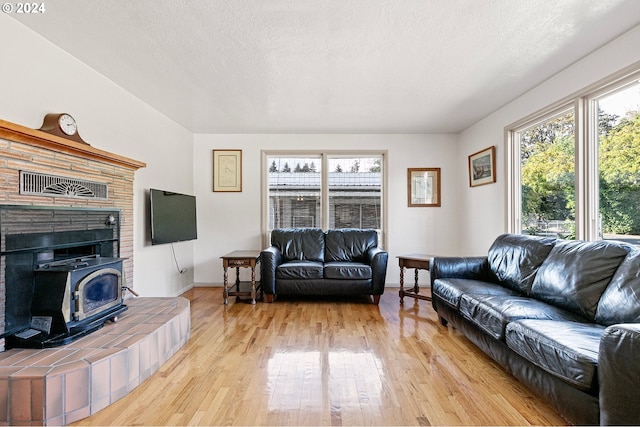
x=63, y=125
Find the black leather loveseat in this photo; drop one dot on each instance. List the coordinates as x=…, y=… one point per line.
x=561, y=316
x=310, y=261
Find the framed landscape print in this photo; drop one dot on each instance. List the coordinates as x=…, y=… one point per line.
x=423, y=187
x=482, y=167
x=227, y=170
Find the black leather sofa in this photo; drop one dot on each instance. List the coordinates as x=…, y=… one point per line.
x=310, y=261
x=561, y=316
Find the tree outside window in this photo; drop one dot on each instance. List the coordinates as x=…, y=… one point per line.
x=545, y=201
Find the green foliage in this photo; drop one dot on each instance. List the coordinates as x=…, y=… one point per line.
x=548, y=173
x=548, y=181
x=546, y=133
x=547, y=156
x=619, y=155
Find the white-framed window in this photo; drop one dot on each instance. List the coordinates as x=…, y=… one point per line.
x=337, y=189
x=574, y=167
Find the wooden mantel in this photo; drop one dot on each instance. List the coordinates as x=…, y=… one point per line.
x=38, y=138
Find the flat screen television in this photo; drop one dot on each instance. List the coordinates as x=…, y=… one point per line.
x=173, y=217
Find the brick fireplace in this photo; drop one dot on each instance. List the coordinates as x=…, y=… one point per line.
x=63, y=384
x=24, y=150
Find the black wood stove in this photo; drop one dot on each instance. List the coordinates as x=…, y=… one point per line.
x=72, y=298
x=63, y=283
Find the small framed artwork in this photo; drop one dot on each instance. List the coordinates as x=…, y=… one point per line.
x=482, y=167
x=227, y=170
x=423, y=187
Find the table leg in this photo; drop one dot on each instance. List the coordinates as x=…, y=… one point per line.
x=416, y=288
x=253, y=285
x=226, y=286
x=401, y=285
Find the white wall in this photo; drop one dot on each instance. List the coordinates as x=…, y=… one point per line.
x=483, y=209
x=230, y=221
x=38, y=78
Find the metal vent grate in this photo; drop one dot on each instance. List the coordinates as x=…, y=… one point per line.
x=40, y=184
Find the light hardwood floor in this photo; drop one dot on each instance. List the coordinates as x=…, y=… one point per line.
x=325, y=362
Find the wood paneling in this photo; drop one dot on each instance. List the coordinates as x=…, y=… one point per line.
x=325, y=362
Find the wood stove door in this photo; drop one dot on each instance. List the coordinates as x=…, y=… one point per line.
x=97, y=292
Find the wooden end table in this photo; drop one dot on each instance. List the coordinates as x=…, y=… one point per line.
x=237, y=259
x=418, y=262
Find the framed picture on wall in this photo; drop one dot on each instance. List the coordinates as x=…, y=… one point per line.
x=227, y=170
x=423, y=187
x=482, y=167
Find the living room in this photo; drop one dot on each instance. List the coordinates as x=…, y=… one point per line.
x=180, y=160
x=40, y=77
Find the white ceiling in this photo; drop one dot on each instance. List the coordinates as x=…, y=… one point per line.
x=330, y=66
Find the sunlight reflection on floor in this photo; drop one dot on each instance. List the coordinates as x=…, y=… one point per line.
x=309, y=378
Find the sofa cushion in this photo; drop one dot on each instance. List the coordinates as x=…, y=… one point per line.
x=620, y=302
x=565, y=349
x=514, y=259
x=451, y=290
x=492, y=313
x=576, y=273
x=299, y=243
x=349, y=244
x=300, y=270
x=347, y=270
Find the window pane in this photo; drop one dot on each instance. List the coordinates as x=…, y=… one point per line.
x=547, y=172
x=619, y=165
x=325, y=191
x=294, y=192
x=355, y=192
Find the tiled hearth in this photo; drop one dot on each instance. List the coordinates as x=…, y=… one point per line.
x=60, y=385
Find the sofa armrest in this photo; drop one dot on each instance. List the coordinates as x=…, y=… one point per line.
x=476, y=268
x=377, y=259
x=619, y=374
x=270, y=259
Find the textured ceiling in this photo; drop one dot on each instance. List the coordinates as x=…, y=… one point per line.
x=330, y=66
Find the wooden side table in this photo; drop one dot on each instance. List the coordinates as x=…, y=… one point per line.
x=237, y=259
x=418, y=262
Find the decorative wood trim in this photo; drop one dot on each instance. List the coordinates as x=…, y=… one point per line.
x=38, y=138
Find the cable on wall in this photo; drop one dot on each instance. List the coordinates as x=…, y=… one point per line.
x=180, y=270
